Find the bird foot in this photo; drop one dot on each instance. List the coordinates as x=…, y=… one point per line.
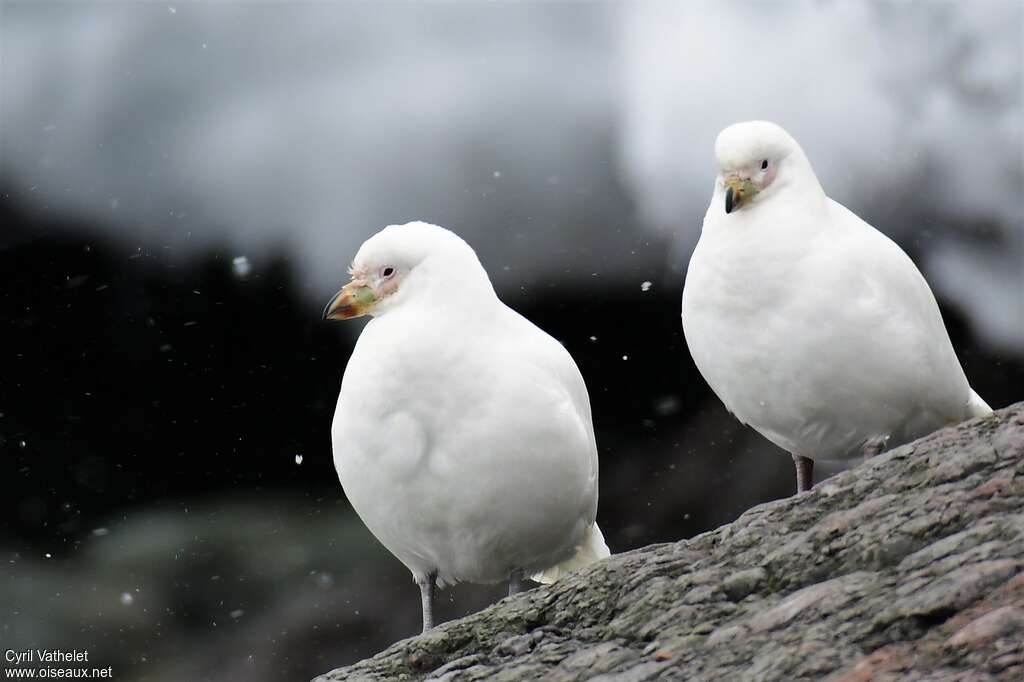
x=873, y=447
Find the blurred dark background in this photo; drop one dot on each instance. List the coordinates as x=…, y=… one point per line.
x=182, y=187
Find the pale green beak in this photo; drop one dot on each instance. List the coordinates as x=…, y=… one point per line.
x=738, y=192
x=354, y=300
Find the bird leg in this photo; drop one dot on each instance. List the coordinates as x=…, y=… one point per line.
x=804, y=467
x=427, y=585
x=515, y=582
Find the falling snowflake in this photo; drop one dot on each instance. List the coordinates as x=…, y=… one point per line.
x=241, y=267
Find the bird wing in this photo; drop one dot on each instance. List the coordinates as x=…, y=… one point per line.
x=552, y=360
x=882, y=294
x=546, y=363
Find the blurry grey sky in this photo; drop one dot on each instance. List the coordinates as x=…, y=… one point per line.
x=561, y=139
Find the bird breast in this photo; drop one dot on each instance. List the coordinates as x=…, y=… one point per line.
x=470, y=462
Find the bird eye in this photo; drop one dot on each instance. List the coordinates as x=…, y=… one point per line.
x=764, y=164
x=387, y=272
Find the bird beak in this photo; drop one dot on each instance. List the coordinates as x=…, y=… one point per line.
x=354, y=300
x=738, y=192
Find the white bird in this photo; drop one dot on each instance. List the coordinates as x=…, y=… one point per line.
x=809, y=324
x=463, y=435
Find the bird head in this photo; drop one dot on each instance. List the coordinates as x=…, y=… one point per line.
x=415, y=261
x=752, y=157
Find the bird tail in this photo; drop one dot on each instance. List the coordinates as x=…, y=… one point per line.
x=593, y=549
x=976, y=407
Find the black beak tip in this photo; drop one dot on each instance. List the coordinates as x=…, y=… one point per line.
x=729, y=204
x=327, y=310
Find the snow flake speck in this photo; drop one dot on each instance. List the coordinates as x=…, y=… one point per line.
x=241, y=267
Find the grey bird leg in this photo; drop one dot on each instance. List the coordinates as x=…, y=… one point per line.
x=427, y=586
x=804, y=467
x=515, y=582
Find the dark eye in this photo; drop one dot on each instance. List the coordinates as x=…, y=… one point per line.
x=387, y=272
x=764, y=164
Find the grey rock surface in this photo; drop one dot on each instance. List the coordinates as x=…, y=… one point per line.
x=907, y=567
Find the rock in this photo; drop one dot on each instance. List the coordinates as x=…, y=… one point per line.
x=907, y=567
x=1004, y=621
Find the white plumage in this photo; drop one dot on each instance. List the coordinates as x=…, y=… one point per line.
x=463, y=434
x=810, y=325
